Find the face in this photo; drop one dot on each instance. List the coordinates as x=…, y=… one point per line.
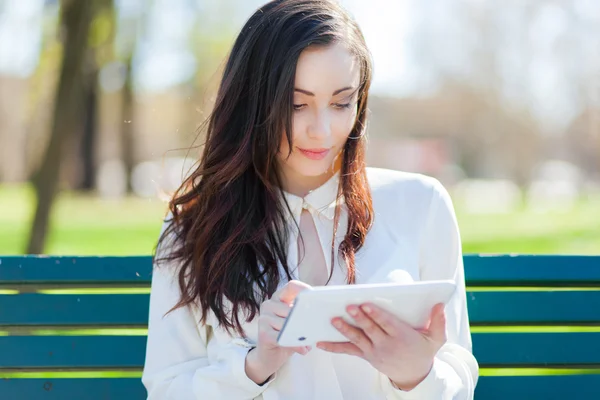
x=325, y=108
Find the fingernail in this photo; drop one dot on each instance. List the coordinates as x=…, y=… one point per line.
x=367, y=309
x=337, y=323
x=353, y=311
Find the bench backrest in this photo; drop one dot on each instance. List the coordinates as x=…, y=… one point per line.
x=73, y=328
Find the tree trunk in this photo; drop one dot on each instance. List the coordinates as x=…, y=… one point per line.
x=127, y=125
x=96, y=57
x=76, y=18
x=89, y=133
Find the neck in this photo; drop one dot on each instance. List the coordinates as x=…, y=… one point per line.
x=300, y=185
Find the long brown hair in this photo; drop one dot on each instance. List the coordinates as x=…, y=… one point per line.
x=228, y=220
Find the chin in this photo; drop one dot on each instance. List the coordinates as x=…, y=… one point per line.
x=314, y=169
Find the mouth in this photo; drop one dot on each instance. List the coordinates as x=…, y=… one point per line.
x=314, y=154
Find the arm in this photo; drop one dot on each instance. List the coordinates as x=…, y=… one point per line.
x=455, y=370
x=181, y=362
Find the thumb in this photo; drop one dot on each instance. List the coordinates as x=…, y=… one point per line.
x=288, y=293
x=437, y=326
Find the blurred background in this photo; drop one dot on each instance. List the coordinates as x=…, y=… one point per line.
x=100, y=101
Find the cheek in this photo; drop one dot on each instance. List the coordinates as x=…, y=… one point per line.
x=284, y=150
x=284, y=147
x=343, y=126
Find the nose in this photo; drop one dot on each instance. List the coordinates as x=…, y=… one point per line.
x=321, y=125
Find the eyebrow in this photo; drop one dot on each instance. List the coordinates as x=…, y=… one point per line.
x=306, y=92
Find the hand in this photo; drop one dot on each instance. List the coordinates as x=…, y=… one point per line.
x=264, y=360
x=394, y=348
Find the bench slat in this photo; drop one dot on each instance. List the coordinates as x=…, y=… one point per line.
x=107, y=270
x=532, y=269
x=561, y=307
x=30, y=309
x=489, y=387
x=72, y=352
x=73, y=389
x=57, y=310
x=547, y=349
x=505, y=349
x=479, y=270
x=555, y=387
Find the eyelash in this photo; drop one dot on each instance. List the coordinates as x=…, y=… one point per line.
x=343, y=105
x=339, y=106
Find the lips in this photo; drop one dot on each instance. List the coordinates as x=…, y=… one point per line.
x=314, y=154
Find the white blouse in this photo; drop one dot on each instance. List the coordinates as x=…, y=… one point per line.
x=414, y=236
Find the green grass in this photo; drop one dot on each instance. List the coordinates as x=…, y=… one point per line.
x=82, y=224
x=574, y=232
x=87, y=225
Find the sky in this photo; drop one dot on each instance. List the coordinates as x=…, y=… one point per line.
x=20, y=36
x=389, y=26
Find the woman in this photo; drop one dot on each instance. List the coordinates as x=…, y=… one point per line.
x=282, y=200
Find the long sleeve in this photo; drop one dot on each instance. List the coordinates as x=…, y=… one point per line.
x=181, y=362
x=455, y=370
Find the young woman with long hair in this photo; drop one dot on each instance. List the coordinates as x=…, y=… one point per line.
x=281, y=200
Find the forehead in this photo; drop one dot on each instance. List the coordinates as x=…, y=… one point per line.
x=322, y=70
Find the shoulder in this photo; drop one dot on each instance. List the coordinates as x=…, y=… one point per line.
x=166, y=246
x=406, y=187
x=167, y=235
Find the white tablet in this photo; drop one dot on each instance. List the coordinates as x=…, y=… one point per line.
x=310, y=318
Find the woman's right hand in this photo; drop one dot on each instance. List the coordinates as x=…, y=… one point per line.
x=264, y=360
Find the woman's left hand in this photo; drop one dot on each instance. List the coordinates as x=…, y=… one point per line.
x=394, y=348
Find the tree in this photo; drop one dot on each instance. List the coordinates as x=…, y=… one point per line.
x=129, y=31
x=76, y=18
x=99, y=52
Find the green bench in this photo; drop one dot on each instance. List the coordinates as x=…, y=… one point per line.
x=74, y=328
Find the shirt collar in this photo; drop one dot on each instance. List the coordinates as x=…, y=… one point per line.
x=321, y=200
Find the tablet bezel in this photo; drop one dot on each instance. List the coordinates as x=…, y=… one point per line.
x=336, y=298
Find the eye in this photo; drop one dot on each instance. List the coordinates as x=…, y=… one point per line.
x=342, y=106
x=298, y=107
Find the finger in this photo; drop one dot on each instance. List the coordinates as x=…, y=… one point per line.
x=353, y=334
x=387, y=321
x=425, y=329
x=274, y=322
x=267, y=335
x=341, y=348
x=275, y=307
x=302, y=350
x=366, y=323
x=288, y=293
x=437, y=326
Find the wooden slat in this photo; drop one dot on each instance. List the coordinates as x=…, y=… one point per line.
x=72, y=389
x=489, y=388
x=485, y=308
x=93, y=309
x=486, y=270
x=68, y=352
x=506, y=349
x=107, y=270
x=537, y=349
x=530, y=308
x=532, y=269
x=555, y=387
